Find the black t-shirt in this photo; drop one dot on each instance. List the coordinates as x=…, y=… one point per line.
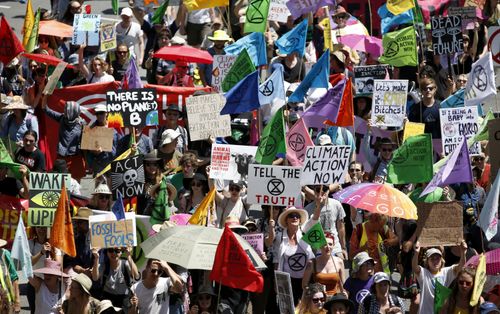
x=119, y=69
x=10, y=186
x=427, y=115
x=35, y=161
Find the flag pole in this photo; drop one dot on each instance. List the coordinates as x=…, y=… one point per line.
x=370, y=15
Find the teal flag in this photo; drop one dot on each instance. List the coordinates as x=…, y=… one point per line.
x=412, y=162
x=315, y=237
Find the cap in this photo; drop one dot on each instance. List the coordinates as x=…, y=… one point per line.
x=359, y=260
x=381, y=276
x=433, y=251
x=127, y=12
x=100, y=108
x=220, y=35
x=169, y=136
x=73, y=59
x=324, y=139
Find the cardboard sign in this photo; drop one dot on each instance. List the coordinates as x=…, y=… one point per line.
x=464, y=12
x=494, y=147
x=54, y=78
x=127, y=176
x=256, y=240
x=222, y=64
x=365, y=77
x=204, y=118
x=230, y=162
x=457, y=123
x=278, y=11
x=284, y=292
x=325, y=164
x=108, y=37
x=389, y=103
x=447, y=35
x=412, y=129
x=440, y=223
x=86, y=29
x=45, y=190
x=133, y=107
x=107, y=232
x=274, y=185
x=99, y=136
x=10, y=210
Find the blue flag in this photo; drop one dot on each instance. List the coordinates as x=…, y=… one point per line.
x=317, y=77
x=118, y=209
x=21, y=249
x=273, y=87
x=454, y=100
x=388, y=20
x=243, y=97
x=255, y=46
x=294, y=40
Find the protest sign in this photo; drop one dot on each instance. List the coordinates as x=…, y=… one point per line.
x=86, y=29
x=440, y=223
x=278, y=11
x=230, y=162
x=97, y=137
x=108, y=37
x=284, y=292
x=133, y=107
x=274, y=185
x=204, y=118
x=325, y=164
x=45, y=189
x=412, y=129
x=127, y=177
x=494, y=44
x=299, y=7
x=221, y=66
x=366, y=75
x=447, y=35
x=457, y=123
x=54, y=78
x=389, y=103
x=494, y=147
x=107, y=232
x=256, y=240
x=10, y=209
x=464, y=12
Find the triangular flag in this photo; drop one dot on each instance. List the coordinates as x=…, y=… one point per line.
x=232, y=266
x=11, y=46
x=488, y=219
x=202, y=213
x=243, y=97
x=399, y=6
x=256, y=16
x=273, y=87
x=412, y=162
x=131, y=77
x=29, y=22
x=6, y=161
x=479, y=280
x=297, y=141
x=400, y=48
x=21, y=249
x=481, y=82
x=192, y=5
x=441, y=293
x=327, y=107
x=241, y=67
x=454, y=100
x=33, y=39
x=294, y=40
x=317, y=77
x=161, y=210
x=389, y=20
x=482, y=133
x=345, y=117
x=315, y=237
x=272, y=141
x=160, y=13
x=417, y=13
x=118, y=209
x=61, y=233
x=254, y=43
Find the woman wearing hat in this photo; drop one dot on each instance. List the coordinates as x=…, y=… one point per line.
x=381, y=300
x=194, y=195
x=47, y=290
x=312, y=300
x=205, y=301
x=153, y=177
x=18, y=122
x=79, y=299
x=234, y=205
x=379, y=164
x=173, y=113
x=101, y=198
x=339, y=304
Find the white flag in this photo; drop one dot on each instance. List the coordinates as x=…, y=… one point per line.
x=21, y=249
x=488, y=219
x=481, y=81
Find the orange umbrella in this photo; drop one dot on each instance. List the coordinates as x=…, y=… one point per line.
x=55, y=28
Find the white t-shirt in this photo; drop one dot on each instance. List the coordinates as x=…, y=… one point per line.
x=115, y=280
x=46, y=302
x=129, y=36
x=100, y=79
x=228, y=208
x=427, y=280
x=155, y=300
x=330, y=213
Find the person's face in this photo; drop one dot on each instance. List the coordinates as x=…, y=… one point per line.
x=97, y=66
x=49, y=278
x=197, y=185
x=182, y=69
x=75, y=290
x=479, y=161
x=163, y=41
x=41, y=233
x=375, y=218
x=465, y=283
x=114, y=253
x=328, y=248
x=172, y=116
x=461, y=81
x=361, y=104
x=101, y=118
x=43, y=42
x=320, y=189
x=341, y=20
x=82, y=226
x=122, y=53
x=366, y=268
x=155, y=271
x=355, y=172
x=338, y=308
x=317, y=300
x=429, y=91
x=75, y=7
x=293, y=219
x=234, y=190
x=188, y=168
x=126, y=19
x=40, y=76
x=382, y=288
x=434, y=261
x=219, y=44
x=29, y=141
x=33, y=66
x=3, y=172
x=170, y=147
x=205, y=300
x=386, y=151
x=151, y=167
x=103, y=201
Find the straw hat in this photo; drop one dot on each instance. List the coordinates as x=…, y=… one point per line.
x=5, y=100
x=102, y=189
x=165, y=225
x=51, y=268
x=17, y=102
x=290, y=210
x=106, y=305
x=84, y=281
x=220, y=35
x=83, y=214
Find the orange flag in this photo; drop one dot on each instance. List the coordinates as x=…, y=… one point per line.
x=346, y=111
x=61, y=234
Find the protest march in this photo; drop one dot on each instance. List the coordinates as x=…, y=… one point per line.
x=250, y=156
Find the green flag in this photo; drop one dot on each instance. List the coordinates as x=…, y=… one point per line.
x=256, y=16
x=6, y=161
x=441, y=293
x=412, y=162
x=241, y=67
x=160, y=13
x=315, y=237
x=482, y=133
x=33, y=39
x=115, y=6
x=400, y=48
x=417, y=13
x=272, y=140
x=161, y=209
x=434, y=196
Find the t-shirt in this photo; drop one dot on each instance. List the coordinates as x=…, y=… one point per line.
x=35, y=161
x=358, y=290
x=426, y=281
x=155, y=300
x=330, y=213
x=430, y=117
x=115, y=282
x=105, y=78
x=128, y=36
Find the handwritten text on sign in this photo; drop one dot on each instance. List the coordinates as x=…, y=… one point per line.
x=106, y=232
x=457, y=123
x=325, y=164
x=389, y=102
x=45, y=190
x=274, y=185
x=204, y=118
x=447, y=35
x=133, y=107
x=222, y=64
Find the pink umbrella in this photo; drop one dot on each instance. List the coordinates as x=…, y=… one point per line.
x=365, y=43
x=180, y=219
x=492, y=262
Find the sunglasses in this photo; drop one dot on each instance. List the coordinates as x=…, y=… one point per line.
x=149, y=164
x=198, y=184
x=293, y=216
x=116, y=251
x=342, y=16
x=234, y=188
x=355, y=170
x=104, y=197
x=43, y=40
x=386, y=150
x=317, y=300
x=462, y=81
x=122, y=52
x=29, y=141
x=156, y=271
x=429, y=88
x=479, y=159
x=465, y=283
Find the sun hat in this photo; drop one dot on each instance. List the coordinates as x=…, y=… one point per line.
x=165, y=225
x=359, y=260
x=83, y=214
x=100, y=108
x=234, y=224
x=338, y=298
x=102, y=188
x=220, y=35
x=51, y=268
x=84, y=282
x=488, y=307
x=127, y=12
x=385, y=141
x=5, y=100
x=250, y=222
x=168, y=136
x=324, y=139
x=177, y=40
x=381, y=276
x=17, y=102
x=340, y=56
x=174, y=107
x=106, y=305
x=237, y=183
x=3, y=243
x=290, y=210
x=206, y=289
x=152, y=156
x=433, y=251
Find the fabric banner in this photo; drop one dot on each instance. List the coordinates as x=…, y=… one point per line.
x=272, y=141
x=315, y=237
x=272, y=88
x=400, y=48
x=412, y=162
x=297, y=141
x=10, y=210
x=488, y=219
x=294, y=40
x=389, y=103
x=481, y=81
x=241, y=67
x=494, y=147
x=457, y=123
x=412, y=129
x=299, y=7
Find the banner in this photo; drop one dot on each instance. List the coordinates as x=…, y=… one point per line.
x=284, y=292
x=221, y=66
x=86, y=29
x=364, y=76
x=440, y=223
x=106, y=232
x=494, y=147
x=98, y=137
x=412, y=129
x=447, y=35
x=10, y=209
x=133, y=107
x=412, y=162
x=274, y=185
x=389, y=103
x=127, y=176
x=230, y=162
x=325, y=165
x=108, y=37
x=278, y=11
x=204, y=118
x=400, y=48
x=256, y=240
x=457, y=123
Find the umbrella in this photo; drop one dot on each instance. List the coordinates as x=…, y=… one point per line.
x=48, y=59
x=492, y=262
x=55, y=28
x=365, y=43
x=192, y=247
x=183, y=53
x=180, y=219
x=378, y=198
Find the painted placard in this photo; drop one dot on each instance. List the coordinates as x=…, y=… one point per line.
x=221, y=66
x=108, y=37
x=54, y=78
x=97, y=137
x=412, y=129
x=127, y=177
x=133, y=107
x=325, y=164
x=278, y=11
x=365, y=77
x=389, y=103
x=107, y=232
x=457, y=123
x=256, y=240
x=45, y=190
x=274, y=185
x=440, y=223
x=447, y=35
x=86, y=29
x=464, y=12
x=11, y=208
x=204, y=118
x=230, y=162
x=284, y=292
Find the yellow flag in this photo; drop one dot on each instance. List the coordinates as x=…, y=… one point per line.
x=29, y=20
x=479, y=280
x=203, y=4
x=397, y=7
x=327, y=33
x=202, y=212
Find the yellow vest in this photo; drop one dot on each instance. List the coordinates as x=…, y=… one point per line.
x=383, y=257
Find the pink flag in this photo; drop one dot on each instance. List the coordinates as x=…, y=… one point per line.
x=297, y=141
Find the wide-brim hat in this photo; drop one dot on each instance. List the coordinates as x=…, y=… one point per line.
x=83, y=214
x=152, y=156
x=165, y=225
x=340, y=10
x=17, y=103
x=106, y=305
x=51, y=268
x=282, y=217
x=340, y=56
x=338, y=298
x=385, y=141
x=102, y=189
x=5, y=100
x=169, y=136
x=220, y=35
x=84, y=281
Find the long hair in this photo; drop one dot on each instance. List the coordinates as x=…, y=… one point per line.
x=452, y=300
x=305, y=303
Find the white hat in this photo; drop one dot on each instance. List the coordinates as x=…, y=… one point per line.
x=100, y=108
x=102, y=189
x=381, y=276
x=324, y=139
x=433, y=251
x=168, y=136
x=284, y=215
x=177, y=40
x=127, y=12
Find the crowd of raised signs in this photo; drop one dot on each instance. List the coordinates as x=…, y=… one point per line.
x=275, y=157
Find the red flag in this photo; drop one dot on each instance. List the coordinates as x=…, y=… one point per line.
x=10, y=46
x=346, y=111
x=232, y=267
x=61, y=233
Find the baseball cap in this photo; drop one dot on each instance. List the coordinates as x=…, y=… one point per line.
x=433, y=251
x=360, y=259
x=127, y=12
x=381, y=276
x=100, y=108
x=324, y=139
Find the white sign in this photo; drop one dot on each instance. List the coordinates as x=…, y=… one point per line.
x=278, y=11
x=222, y=64
x=457, y=123
x=230, y=162
x=494, y=44
x=274, y=185
x=204, y=118
x=325, y=164
x=106, y=231
x=86, y=29
x=284, y=292
x=389, y=103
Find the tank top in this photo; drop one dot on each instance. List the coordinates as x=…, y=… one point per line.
x=46, y=301
x=330, y=280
